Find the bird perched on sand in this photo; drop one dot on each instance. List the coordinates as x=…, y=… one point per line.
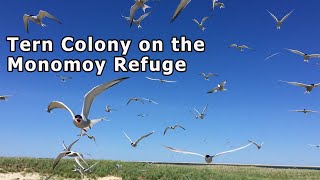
x=279, y=22
x=134, y=144
x=259, y=146
x=173, y=128
x=183, y=4
x=240, y=47
x=307, y=87
x=138, y=21
x=5, y=97
x=305, y=56
x=150, y=101
x=160, y=80
x=206, y=77
x=216, y=3
x=138, y=4
x=305, y=111
x=67, y=152
x=200, y=25
x=37, y=19
x=82, y=121
x=207, y=158
x=63, y=79
x=220, y=87
x=202, y=114
x=135, y=99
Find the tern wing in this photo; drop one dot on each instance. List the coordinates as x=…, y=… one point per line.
x=296, y=52
x=196, y=110
x=143, y=16
x=223, y=83
x=60, y=105
x=204, y=19
x=179, y=126
x=204, y=110
x=232, y=150
x=286, y=16
x=295, y=83
x=144, y=136
x=273, y=16
x=90, y=96
x=81, y=157
x=169, y=81
x=133, y=10
x=127, y=137
x=314, y=55
x=70, y=146
x=183, y=152
x=272, y=55
x=92, y=166
x=166, y=130
x=196, y=21
x=316, y=85
x=181, y=6
x=213, y=90
x=56, y=161
x=78, y=162
x=43, y=14
x=213, y=4
x=26, y=19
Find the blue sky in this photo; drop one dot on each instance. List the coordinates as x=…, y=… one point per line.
x=255, y=106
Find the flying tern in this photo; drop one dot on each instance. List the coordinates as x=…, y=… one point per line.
x=134, y=144
x=259, y=146
x=135, y=99
x=82, y=121
x=220, y=87
x=207, y=158
x=280, y=22
x=215, y=3
x=138, y=21
x=4, y=98
x=207, y=76
x=305, y=111
x=37, y=19
x=108, y=109
x=202, y=114
x=307, y=87
x=173, y=128
x=63, y=79
x=138, y=4
x=305, y=56
x=200, y=25
x=240, y=47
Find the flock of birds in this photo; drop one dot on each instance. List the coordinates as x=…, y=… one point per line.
x=84, y=123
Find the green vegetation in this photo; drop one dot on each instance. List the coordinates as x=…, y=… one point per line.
x=140, y=171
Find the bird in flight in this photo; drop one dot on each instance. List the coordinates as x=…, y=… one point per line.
x=200, y=25
x=207, y=158
x=134, y=144
x=305, y=56
x=308, y=88
x=207, y=76
x=63, y=79
x=160, y=80
x=216, y=3
x=138, y=4
x=82, y=121
x=135, y=99
x=305, y=111
x=108, y=109
x=37, y=19
x=201, y=115
x=240, y=47
x=138, y=21
x=173, y=128
x=279, y=22
x=149, y=100
x=220, y=87
x=5, y=97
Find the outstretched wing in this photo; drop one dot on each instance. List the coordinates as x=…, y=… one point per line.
x=213, y=90
x=165, y=130
x=127, y=136
x=143, y=16
x=233, y=45
x=144, y=136
x=43, y=14
x=213, y=4
x=204, y=19
x=232, y=150
x=273, y=16
x=26, y=19
x=169, y=81
x=133, y=10
x=196, y=21
x=70, y=146
x=204, y=109
x=60, y=105
x=179, y=127
x=90, y=96
x=296, y=52
x=183, y=152
x=56, y=161
x=152, y=79
x=295, y=83
x=181, y=6
x=314, y=55
x=286, y=16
